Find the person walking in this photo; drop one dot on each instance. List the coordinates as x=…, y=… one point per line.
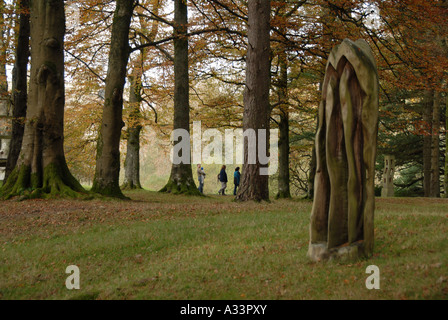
x=201, y=177
x=222, y=177
x=236, y=179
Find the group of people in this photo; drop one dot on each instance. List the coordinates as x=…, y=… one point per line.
x=222, y=177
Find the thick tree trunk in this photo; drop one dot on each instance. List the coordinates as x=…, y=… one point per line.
x=132, y=162
x=19, y=87
x=41, y=169
x=283, y=145
x=107, y=171
x=435, y=146
x=254, y=186
x=181, y=177
x=427, y=120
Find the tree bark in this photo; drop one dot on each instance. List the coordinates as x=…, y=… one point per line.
x=19, y=87
x=181, y=178
x=132, y=162
x=3, y=52
x=427, y=121
x=254, y=186
x=107, y=171
x=41, y=169
x=312, y=174
x=435, y=147
x=283, y=145
x=446, y=151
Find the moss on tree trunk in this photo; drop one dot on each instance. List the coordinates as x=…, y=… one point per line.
x=107, y=171
x=181, y=181
x=41, y=169
x=55, y=181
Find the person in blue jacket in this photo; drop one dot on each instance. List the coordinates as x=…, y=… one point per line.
x=236, y=179
x=222, y=177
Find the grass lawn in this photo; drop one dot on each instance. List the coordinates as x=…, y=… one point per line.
x=160, y=246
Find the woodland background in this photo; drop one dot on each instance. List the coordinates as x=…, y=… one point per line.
x=409, y=40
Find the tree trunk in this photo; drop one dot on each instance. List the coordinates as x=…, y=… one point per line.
x=254, y=186
x=107, y=171
x=283, y=145
x=41, y=169
x=283, y=157
x=19, y=87
x=435, y=146
x=181, y=177
x=446, y=150
x=132, y=162
x=312, y=174
x=427, y=120
x=445, y=47
x=3, y=52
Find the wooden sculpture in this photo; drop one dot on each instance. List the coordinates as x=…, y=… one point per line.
x=343, y=208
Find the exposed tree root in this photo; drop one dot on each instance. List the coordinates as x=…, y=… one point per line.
x=109, y=191
x=283, y=195
x=131, y=186
x=56, y=182
x=181, y=187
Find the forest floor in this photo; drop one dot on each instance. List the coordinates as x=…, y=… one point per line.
x=161, y=246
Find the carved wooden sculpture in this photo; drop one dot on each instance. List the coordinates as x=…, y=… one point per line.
x=343, y=208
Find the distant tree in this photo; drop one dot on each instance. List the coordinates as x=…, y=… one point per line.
x=132, y=162
x=19, y=86
x=135, y=118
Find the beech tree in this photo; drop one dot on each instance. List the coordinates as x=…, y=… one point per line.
x=254, y=186
x=132, y=162
x=107, y=171
x=19, y=86
x=135, y=117
x=41, y=169
x=181, y=177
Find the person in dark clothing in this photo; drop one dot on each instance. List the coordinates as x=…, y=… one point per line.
x=236, y=179
x=201, y=176
x=222, y=177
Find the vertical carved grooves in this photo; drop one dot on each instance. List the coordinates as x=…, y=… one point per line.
x=336, y=160
x=337, y=216
x=352, y=98
x=319, y=214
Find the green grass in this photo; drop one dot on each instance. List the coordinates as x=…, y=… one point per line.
x=160, y=246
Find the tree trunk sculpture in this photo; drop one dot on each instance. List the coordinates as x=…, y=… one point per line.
x=343, y=207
